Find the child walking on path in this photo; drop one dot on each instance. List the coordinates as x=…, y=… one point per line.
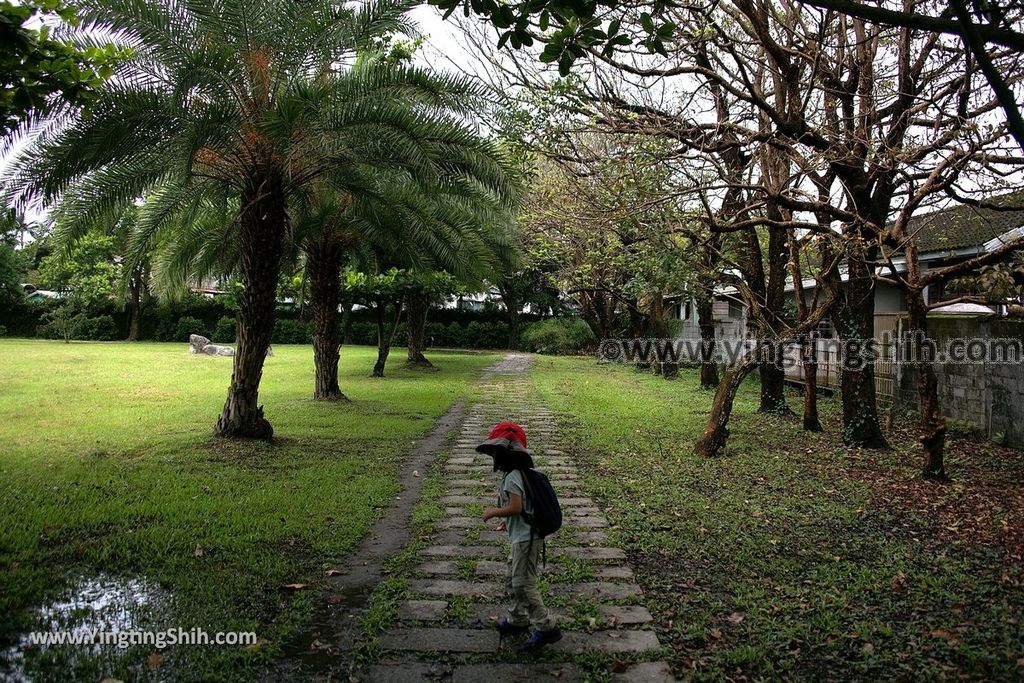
x=507, y=446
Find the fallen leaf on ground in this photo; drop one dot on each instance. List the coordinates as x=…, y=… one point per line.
x=333, y=572
x=198, y=551
x=154, y=661
x=945, y=635
x=295, y=586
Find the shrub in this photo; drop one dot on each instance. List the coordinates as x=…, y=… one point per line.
x=3, y=331
x=559, y=336
x=165, y=330
x=100, y=328
x=225, y=332
x=292, y=332
x=493, y=335
x=455, y=336
x=364, y=333
x=485, y=335
x=63, y=322
x=187, y=326
x=435, y=334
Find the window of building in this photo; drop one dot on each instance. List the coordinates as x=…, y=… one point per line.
x=735, y=309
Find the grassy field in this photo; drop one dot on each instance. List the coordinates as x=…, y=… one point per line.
x=789, y=556
x=109, y=474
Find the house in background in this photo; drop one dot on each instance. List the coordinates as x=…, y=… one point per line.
x=33, y=293
x=943, y=238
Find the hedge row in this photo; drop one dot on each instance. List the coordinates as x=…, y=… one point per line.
x=213, y=319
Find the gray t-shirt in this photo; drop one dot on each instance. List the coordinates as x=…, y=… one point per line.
x=518, y=529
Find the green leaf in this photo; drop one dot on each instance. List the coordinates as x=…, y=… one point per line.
x=565, y=63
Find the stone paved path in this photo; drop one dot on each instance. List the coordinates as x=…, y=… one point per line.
x=444, y=628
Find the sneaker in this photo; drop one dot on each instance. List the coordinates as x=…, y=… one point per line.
x=507, y=628
x=541, y=638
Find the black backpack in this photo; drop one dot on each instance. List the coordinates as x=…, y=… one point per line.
x=546, y=517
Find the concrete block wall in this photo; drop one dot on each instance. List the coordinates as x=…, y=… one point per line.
x=987, y=396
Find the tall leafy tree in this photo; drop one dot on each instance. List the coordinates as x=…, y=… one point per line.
x=41, y=72
x=243, y=102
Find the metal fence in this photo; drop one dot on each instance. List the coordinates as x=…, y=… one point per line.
x=830, y=368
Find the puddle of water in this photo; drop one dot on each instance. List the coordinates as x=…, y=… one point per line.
x=100, y=603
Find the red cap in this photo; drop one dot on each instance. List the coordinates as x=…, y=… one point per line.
x=508, y=430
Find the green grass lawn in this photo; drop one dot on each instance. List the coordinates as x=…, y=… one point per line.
x=108, y=468
x=788, y=556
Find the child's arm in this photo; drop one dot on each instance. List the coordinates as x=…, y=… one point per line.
x=514, y=507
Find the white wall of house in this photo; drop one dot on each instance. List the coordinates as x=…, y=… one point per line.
x=888, y=299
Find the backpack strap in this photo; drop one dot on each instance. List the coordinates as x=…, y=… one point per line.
x=526, y=482
x=529, y=490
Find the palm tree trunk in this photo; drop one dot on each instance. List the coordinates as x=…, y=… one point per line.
x=419, y=306
x=323, y=266
x=263, y=223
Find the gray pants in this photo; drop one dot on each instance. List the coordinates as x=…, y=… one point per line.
x=521, y=584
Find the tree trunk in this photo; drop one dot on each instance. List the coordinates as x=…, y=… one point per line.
x=666, y=366
x=773, y=380
x=383, y=348
x=419, y=307
x=717, y=430
x=138, y=299
x=385, y=336
x=512, y=306
x=932, y=425
x=347, y=324
x=134, y=308
x=513, y=331
x=854, y=320
x=323, y=267
x=262, y=227
x=708, y=366
x=809, y=355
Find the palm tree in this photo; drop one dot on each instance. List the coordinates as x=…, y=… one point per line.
x=459, y=222
x=244, y=102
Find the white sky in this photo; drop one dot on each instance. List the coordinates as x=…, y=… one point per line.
x=444, y=49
